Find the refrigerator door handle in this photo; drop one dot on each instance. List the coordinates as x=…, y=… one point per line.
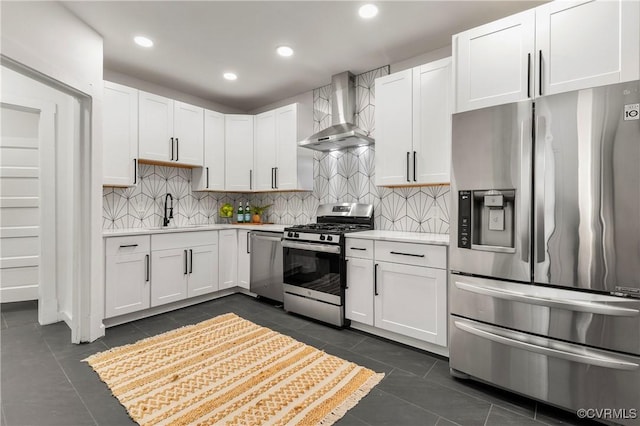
x=591, y=307
x=540, y=170
x=524, y=215
x=546, y=347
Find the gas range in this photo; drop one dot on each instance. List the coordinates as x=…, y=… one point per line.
x=329, y=233
x=314, y=272
x=334, y=220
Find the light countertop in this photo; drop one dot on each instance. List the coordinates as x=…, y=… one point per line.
x=402, y=236
x=212, y=227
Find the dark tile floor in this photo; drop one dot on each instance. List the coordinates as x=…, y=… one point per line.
x=44, y=382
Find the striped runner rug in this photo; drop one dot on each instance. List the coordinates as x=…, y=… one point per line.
x=230, y=371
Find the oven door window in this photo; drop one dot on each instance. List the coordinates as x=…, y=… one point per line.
x=313, y=270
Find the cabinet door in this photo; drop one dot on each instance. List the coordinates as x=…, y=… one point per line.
x=228, y=258
x=127, y=284
x=586, y=44
x=119, y=135
x=412, y=300
x=189, y=134
x=432, y=91
x=264, y=148
x=211, y=176
x=359, y=293
x=393, y=116
x=156, y=128
x=493, y=62
x=203, y=270
x=286, y=174
x=244, y=259
x=238, y=131
x=169, y=272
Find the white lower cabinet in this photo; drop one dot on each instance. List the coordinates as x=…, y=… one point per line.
x=127, y=280
x=170, y=275
x=183, y=265
x=412, y=300
x=359, y=292
x=228, y=258
x=203, y=270
x=398, y=287
x=244, y=259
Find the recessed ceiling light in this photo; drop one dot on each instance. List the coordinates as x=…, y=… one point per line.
x=230, y=76
x=143, y=41
x=284, y=51
x=368, y=11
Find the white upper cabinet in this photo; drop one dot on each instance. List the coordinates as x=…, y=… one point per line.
x=394, y=128
x=294, y=167
x=156, y=141
x=413, y=125
x=265, y=150
x=120, y=135
x=432, y=106
x=238, y=151
x=557, y=47
x=279, y=163
x=211, y=176
x=170, y=131
x=494, y=62
x=188, y=129
x=586, y=44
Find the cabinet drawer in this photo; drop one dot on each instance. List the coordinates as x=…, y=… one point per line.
x=127, y=245
x=359, y=248
x=183, y=239
x=411, y=254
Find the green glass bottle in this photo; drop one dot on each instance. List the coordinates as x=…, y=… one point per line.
x=240, y=213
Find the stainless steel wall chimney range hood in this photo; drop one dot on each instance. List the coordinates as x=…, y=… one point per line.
x=342, y=133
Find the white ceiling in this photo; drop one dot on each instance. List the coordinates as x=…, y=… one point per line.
x=196, y=41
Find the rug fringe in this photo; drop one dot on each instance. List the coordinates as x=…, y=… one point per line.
x=353, y=399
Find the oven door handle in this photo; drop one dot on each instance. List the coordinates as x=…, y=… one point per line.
x=311, y=247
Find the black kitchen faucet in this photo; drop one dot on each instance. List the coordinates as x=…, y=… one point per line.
x=170, y=216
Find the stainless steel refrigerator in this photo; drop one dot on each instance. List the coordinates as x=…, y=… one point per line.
x=544, y=293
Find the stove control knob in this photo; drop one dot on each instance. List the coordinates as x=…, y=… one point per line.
x=290, y=234
x=296, y=235
x=321, y=237
x=329, y=238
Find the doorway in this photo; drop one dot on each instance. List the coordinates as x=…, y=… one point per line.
x=41, y=230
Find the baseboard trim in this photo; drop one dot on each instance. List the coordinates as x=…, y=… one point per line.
x=19, y=294
x=409, y=341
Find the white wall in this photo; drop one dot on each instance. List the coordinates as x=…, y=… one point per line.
x=49, y=39
x=424, y=58
x=147, y=86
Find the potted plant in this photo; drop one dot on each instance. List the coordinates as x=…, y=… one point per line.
x=257, y=212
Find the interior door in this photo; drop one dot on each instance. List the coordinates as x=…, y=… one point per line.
x=27, y=186
x=587, y=232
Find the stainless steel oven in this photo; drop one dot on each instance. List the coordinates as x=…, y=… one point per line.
x=314, y=265
x=314, y=269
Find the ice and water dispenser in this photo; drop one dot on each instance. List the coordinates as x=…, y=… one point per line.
x=486, y=220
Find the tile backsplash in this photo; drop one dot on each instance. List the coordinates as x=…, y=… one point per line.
x=339, y=176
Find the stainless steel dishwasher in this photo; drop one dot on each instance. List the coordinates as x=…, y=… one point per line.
x=266, y=264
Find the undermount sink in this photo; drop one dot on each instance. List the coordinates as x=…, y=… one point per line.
x=174, y=228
